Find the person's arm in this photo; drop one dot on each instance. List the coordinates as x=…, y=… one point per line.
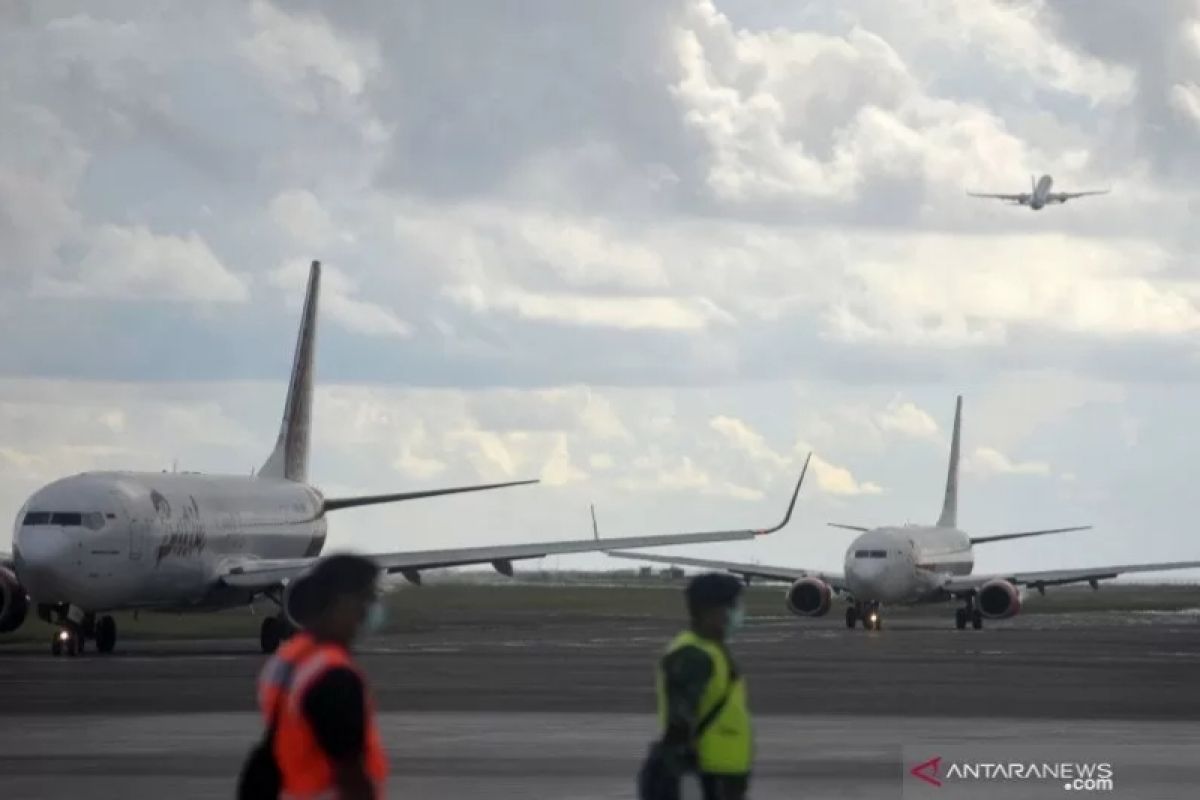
x=335, y=706
x=687, y=672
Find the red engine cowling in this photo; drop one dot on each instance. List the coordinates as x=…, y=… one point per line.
x=809, y=597
x=14, y=601
x=999, y=599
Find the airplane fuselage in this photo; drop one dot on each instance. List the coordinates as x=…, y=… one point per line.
x=104, y=541
x=1041, y=191
x=907, y=564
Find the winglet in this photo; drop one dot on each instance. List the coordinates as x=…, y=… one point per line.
x=792, y=504
x=846, y=527
x=595, y=527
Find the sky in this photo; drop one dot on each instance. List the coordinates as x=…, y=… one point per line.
x=650, y=253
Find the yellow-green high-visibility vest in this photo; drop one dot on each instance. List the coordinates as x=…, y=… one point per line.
x=726, y=746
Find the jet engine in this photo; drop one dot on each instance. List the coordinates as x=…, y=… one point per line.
x=809, y=597
x=999, y=599
x=14, y=601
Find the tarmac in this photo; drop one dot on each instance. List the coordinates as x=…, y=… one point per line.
x=560, y=706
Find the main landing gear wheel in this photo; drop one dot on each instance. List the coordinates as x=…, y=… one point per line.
x=106, y=634
x=851, y=617
x=960, y=618
x=977, y=619
x=271, y=634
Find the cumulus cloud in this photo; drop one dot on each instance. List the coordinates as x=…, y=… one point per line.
x=833, y=479
x=907, y=419
x=134, y=263
x=988, y=461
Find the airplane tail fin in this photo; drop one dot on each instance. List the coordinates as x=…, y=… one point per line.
x=1033, y=184
x=949, y=517
x=289, y=459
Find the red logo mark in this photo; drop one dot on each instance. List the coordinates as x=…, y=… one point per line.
x=928, y=770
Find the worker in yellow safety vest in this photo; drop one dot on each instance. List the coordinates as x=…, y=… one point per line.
x=702, y=709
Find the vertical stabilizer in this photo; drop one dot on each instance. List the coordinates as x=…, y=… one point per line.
x=949, y=518
x=289, y=459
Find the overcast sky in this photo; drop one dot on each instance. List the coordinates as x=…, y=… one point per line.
x=650, y=252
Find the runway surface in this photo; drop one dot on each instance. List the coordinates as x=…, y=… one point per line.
x=530, y=706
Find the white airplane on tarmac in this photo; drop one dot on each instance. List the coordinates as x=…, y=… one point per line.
x=107, y=541
x=1039, y=195
x=917, y=564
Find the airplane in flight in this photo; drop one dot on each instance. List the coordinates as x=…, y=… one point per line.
x=914, y=564
x=90, y=544
x=1039, y=195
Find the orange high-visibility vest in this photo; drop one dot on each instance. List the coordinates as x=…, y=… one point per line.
x=307, y=772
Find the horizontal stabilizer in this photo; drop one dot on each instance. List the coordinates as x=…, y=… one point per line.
x=858, y=528
x=334, y=504
x=1000, y=537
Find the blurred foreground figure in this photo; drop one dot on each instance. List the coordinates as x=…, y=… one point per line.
x=702, y=709
x=322, y=741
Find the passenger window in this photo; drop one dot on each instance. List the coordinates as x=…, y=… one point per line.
x=879, y=554
x=37, y=518
x=93, y=521
x=66, y=518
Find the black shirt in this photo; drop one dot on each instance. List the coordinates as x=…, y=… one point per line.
x=335, y=706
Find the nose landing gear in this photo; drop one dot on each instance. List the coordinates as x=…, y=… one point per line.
x=968, y=613
x=66, y=641
x=872, y=620
x=71, y=637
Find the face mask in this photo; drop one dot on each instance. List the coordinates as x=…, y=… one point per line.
x=737, y=619
x=376, y=617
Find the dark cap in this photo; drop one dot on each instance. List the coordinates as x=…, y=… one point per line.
x=330, y=578
x=712, y=590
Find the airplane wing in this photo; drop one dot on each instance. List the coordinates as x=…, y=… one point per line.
x=1062, y=197
x=1056, y=577
x=1001, y=537
x=263, y=574
x=1012, y=198
x=837, y=582
x=336, y=503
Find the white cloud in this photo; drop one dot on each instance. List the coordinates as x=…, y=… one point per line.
x=627, y=313
x=291, y=48
x=833, y=479
x=1185, y=98
x=559, y=470
x=747, y=440
x=300, y=214
x=137, y=264
x=907, y=419
x=339, y=303
x=988, y=461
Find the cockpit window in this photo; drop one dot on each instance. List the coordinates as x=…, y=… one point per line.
x=862, y=554
x=879, y=554
x=71, y=518
x=36, y=518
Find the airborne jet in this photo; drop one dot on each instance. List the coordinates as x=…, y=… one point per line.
x=1039, y=195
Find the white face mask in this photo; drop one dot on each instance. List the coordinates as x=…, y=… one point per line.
x=376, y=617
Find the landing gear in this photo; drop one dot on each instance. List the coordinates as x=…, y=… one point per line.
x=66, y=641
x=871, y=618
x=968, y=613
x=106, y=634
x=851, y=616
x=274, y=631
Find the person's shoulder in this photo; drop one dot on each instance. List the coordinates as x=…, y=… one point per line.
x=688, y=659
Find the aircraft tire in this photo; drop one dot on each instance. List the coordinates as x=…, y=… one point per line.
x=106, y=634
x=960, y=618
x=271, y=634
x=851, y=617
x=977, y=619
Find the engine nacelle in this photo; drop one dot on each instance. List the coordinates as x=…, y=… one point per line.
x=14, y=601
x=809, y=597
x=999, y=599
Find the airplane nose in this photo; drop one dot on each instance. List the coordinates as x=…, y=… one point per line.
x=45, y=560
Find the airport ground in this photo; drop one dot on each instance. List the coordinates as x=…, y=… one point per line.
x=546, y=691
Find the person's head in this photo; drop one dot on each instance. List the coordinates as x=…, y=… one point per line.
x=336, y=597
x=714, y=602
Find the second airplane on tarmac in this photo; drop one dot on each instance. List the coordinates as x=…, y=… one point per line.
x=913, y=564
